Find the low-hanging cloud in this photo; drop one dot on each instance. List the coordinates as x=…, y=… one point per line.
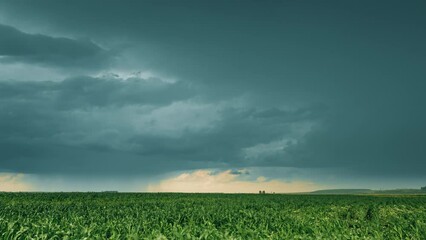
x=84, y=124
x=260, y=85
x=85, y=92
x=17, y=46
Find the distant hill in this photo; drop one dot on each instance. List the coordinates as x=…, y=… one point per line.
x=401, y=191
x=369, y=191
x=343, y=191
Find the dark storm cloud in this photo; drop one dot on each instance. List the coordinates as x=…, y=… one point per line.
x=38, y=123
x=238, y=45
x=239, y=172
x=383, y=145
x=45, y=130
x=224, y=143
x=325, y=85
x=17, y=46
x=86, y=92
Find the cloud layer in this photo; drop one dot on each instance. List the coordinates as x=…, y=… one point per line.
x=17, y=46
x=148, y=89
x=83, y=124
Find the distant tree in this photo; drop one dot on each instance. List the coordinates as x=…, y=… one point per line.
x=423, y=188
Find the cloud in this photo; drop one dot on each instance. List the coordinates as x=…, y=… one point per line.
x=82, y=125
x=370, y=145
x=13, y=182
x=86, y=92
x=52, y=126
x=27, y=71
x=227, y=182
x=239, y=171
x=278, y=86
x=230, y=131
x=17, y=46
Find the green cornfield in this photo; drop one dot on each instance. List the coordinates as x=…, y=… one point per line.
x=210, y=216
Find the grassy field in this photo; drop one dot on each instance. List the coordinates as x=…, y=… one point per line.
x=210, y=216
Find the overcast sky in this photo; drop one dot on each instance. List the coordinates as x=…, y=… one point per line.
x=212, y=95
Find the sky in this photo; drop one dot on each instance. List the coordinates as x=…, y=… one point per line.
x=212, y=96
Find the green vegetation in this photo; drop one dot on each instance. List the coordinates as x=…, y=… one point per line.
x=210, y=216
x=369, y=191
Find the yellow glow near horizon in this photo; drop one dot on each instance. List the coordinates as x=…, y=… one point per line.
x=13, y=182
x=205, y=181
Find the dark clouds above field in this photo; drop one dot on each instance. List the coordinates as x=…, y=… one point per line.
x=17, y=46
x=288, y=90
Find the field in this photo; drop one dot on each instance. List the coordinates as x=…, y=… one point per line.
x=210, y=216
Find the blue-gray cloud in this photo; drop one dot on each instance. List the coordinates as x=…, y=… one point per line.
x=279, y=84
x=17, y=46
x=86, y=124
